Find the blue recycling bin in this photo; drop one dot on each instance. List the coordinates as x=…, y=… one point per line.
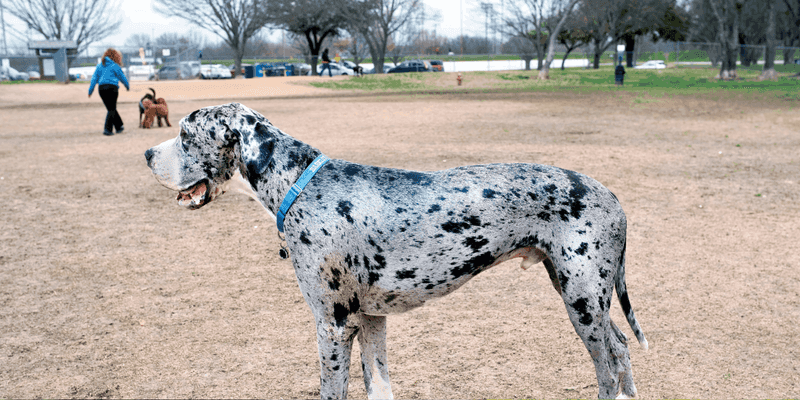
x=289, y=69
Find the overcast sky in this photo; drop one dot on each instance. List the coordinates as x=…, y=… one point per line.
x=138, y=17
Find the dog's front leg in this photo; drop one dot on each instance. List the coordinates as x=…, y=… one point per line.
x=372, y=340
x=334, y=343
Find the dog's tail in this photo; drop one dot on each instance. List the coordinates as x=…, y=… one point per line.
x=154, y=92
x=624, y=301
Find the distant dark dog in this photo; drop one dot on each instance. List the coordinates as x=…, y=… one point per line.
x=148, y=96
x=153, y=111
x=359, y=70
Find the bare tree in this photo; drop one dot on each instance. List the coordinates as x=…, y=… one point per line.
x=544, y=71
x=235, y=21
x=527, y=21
x=376, y=21
x=138, y=40
x=84, y=21
x=524, y=48
x=602, y=21
x=571, y=37
x=726, y=15
x=617, y=19
x=316, y=20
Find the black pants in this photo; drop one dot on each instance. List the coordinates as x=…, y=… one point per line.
x=109, y=94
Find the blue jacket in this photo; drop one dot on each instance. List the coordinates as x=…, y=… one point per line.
x=109, y=74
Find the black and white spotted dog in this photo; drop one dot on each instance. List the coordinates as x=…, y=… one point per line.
x=367, y=241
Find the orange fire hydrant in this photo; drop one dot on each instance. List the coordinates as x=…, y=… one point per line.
x=458, y=78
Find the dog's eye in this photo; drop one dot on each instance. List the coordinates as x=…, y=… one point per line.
x=182, y=138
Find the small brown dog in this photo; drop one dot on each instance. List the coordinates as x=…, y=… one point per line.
x=155, y=110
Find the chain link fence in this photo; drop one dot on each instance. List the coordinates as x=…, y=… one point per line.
x=180, y=61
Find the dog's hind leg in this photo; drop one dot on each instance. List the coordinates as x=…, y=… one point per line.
x=166, y=119
x=372, y=340
x=587, y=288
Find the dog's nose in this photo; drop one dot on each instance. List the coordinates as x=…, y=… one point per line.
x=148, y=155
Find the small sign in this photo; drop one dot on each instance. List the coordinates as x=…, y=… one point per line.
x=620, y=48
x=49, y=67
x=165, y=52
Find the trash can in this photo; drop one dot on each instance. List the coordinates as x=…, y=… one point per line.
x=249, y=71
x=289, y=69
x=619, y=75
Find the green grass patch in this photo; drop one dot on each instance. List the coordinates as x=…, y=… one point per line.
x=673, y=81
x=411, y=81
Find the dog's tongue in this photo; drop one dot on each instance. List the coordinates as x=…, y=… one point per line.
x=196, y=191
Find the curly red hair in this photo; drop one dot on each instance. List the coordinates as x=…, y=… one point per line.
x=114, y=55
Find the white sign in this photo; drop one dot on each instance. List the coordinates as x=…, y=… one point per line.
x=620, y=48
x=49, y=67
x=165, y=52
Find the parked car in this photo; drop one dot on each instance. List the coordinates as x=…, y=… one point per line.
x=412, y=66
x=174, y=71
x=141, y=72
x=33, y=72
x=336, y=69
x=349, y=64
x=194, y=67
x=302, y=69
x=215, y=71
x=11, y=74
x=232, y=68
x=386, y=69
x=652, y=64
x=438, y=65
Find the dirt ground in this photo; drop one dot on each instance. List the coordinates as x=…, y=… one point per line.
x=109, y=289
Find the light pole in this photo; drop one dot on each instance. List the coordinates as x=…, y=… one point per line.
x=487, y=9
x=462, y=26
x=3, y=20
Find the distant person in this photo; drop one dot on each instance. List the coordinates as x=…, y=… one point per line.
x=326, y=63
x=619, y=75
x=108, y=74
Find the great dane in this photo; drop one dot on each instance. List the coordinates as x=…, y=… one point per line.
x=367, y=242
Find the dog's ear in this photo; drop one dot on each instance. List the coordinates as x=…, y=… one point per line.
x=257, y=148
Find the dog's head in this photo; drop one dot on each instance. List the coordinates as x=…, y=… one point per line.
x=204, y=157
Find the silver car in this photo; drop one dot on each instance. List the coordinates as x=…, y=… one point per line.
x=11, y=74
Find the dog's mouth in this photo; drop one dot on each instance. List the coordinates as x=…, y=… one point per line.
x=196, y=196
x=199, y=195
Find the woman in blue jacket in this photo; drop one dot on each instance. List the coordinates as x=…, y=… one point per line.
x=108, y=74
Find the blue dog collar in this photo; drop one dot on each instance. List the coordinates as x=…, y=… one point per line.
x=298, y=187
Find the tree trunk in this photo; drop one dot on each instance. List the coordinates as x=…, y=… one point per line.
x=630, y=43
x=238, y=55
x=598, y=52
x=314, y=46
x=788, y=56
x=769, y=54
x=728, y=36
x=564, y=61
x=544, y=69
